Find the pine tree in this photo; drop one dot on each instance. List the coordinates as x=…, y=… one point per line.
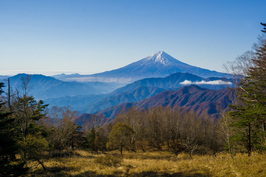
x=9, y=165
x=249, y=114
x=90, y=139
x=30, y=135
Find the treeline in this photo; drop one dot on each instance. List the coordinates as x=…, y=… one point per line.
x=167, y=129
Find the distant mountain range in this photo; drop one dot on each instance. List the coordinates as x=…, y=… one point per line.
x=204, y=102
x=2, y=78
x=138, y=91
x=160, y=64
x=175, y=81
x=44, y=87
x=191, y=97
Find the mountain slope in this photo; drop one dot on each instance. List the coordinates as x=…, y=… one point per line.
x=174, y=81
x=159, y=64
x=94, y=103
x=91, y=120
x=149, y=87
x=135, y=95
x=44, y=87
x=79, y=103
x=191, y=97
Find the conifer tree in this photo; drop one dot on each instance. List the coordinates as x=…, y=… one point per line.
x=90, y=139
x=9, y=165
x=249, y=114
x=30, y=135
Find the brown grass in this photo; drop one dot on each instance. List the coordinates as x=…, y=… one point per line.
x=152, y=164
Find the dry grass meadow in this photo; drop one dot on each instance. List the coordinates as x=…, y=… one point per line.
x=83, y=163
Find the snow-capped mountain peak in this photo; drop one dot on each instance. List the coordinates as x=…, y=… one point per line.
x=160, y=57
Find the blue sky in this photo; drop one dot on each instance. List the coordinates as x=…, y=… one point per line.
x=82, y=36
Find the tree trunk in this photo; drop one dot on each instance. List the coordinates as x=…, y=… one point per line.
x=121, y=150
x=263, y=133
x=9, y=96
x=40, y=162
x=142, y=148
x=249, y=139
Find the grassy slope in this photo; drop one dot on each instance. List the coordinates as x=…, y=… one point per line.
x=153, y=164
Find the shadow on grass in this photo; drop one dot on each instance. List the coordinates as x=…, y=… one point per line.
x=64, y=154
x=63, y=172
x=154, y=174
x=53, y=171
x=142, y=174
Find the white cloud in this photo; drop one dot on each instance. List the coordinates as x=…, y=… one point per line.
x=216, y=82
x=186, y=82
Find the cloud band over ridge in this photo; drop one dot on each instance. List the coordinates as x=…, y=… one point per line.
x=216, y=82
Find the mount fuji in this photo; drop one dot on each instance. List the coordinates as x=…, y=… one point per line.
x=160, y=64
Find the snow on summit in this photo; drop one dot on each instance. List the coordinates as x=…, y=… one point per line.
x=159, y=57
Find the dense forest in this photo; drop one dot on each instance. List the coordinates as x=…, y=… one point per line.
x=30, y=132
